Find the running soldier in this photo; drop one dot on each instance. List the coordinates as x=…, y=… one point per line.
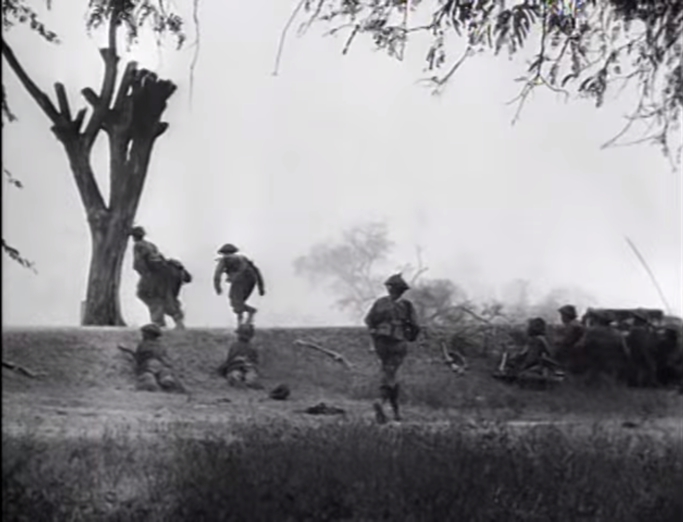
x=153, y=368
x=155, y=288
x=240, y=367
x=243, y=276
x=392, y=323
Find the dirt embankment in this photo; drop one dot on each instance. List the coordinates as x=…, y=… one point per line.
x=88, y=386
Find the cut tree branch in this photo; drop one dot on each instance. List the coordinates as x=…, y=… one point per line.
x=101, y=108
x=39, y=96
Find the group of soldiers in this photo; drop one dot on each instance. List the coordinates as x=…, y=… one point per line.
x=161, y=280
x=628, y=347
x=159, y=288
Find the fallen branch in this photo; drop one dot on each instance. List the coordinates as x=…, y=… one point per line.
x=457, y=366
x=24, y=371
x=127, y=350
x=334, y=355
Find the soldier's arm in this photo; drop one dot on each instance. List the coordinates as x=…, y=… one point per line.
x=217, y=276
x=371, y=317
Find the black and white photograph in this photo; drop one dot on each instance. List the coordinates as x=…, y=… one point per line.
x=342, y=260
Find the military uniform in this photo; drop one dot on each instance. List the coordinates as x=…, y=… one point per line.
x=153, y=367
x=241, y=365
x=566, y=345
x=392, y=323
x=243, y=276
x=160, y=281
x=642, y=344
x=605, y=349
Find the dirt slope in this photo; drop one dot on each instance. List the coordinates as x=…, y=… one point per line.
x=89, y=384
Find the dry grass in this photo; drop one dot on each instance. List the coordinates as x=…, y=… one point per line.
x=344, y=471
x=340, y=469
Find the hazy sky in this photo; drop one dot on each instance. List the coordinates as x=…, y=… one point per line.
x=276, y=164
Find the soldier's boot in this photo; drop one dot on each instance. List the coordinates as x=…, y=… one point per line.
x=393, y=400
x=251, y=311
x=240, y=319
x=179, y=323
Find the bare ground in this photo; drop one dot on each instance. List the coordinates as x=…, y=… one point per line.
x=88, y=388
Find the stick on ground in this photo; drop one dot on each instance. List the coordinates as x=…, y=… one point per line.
x=334, y=355
x=20, y=369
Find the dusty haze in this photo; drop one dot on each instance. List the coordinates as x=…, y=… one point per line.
x=276, y=164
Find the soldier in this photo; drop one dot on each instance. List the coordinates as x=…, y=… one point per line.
x=240, y=367
x=536, y=352
x=569, y=334
x=606, y=352
x=153, y=367
x=641, y=343
x=155, y=286
x=668, y=349
x=243, y=276
x=392, y=322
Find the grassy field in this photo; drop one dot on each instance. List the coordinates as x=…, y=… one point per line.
x=80, y=443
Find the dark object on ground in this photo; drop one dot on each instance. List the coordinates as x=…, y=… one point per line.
x=22, y=370
x=280, y=393
x=324, y=409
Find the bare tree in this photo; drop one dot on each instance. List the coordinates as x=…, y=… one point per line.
x=349, y=266
x=130, y=116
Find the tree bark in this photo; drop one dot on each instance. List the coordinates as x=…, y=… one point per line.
x=109, y=239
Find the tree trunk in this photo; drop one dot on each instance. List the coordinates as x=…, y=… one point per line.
x=109, y=240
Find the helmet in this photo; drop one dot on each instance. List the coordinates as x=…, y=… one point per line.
x=397, y=281
x=151, y=329
x=228, y=248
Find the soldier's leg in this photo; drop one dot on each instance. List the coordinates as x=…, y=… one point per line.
x=391, y=382
x=167, y=381
x=147, y=382
x=174, y=309
x=251, y=311
x=156, y=311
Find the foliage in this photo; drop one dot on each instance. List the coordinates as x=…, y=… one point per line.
x=349, y=265
x=588, y=48
x=345, y=471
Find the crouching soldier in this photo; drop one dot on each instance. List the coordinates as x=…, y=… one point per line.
x=153, y=367
x=393, y=323
x=240, y=367
x=536, y=354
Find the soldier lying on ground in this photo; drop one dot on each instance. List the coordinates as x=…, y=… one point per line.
x=153, y=368
x=243, y=275
x=240, y=367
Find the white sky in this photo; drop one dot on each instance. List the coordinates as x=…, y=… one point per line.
x=275, y=164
